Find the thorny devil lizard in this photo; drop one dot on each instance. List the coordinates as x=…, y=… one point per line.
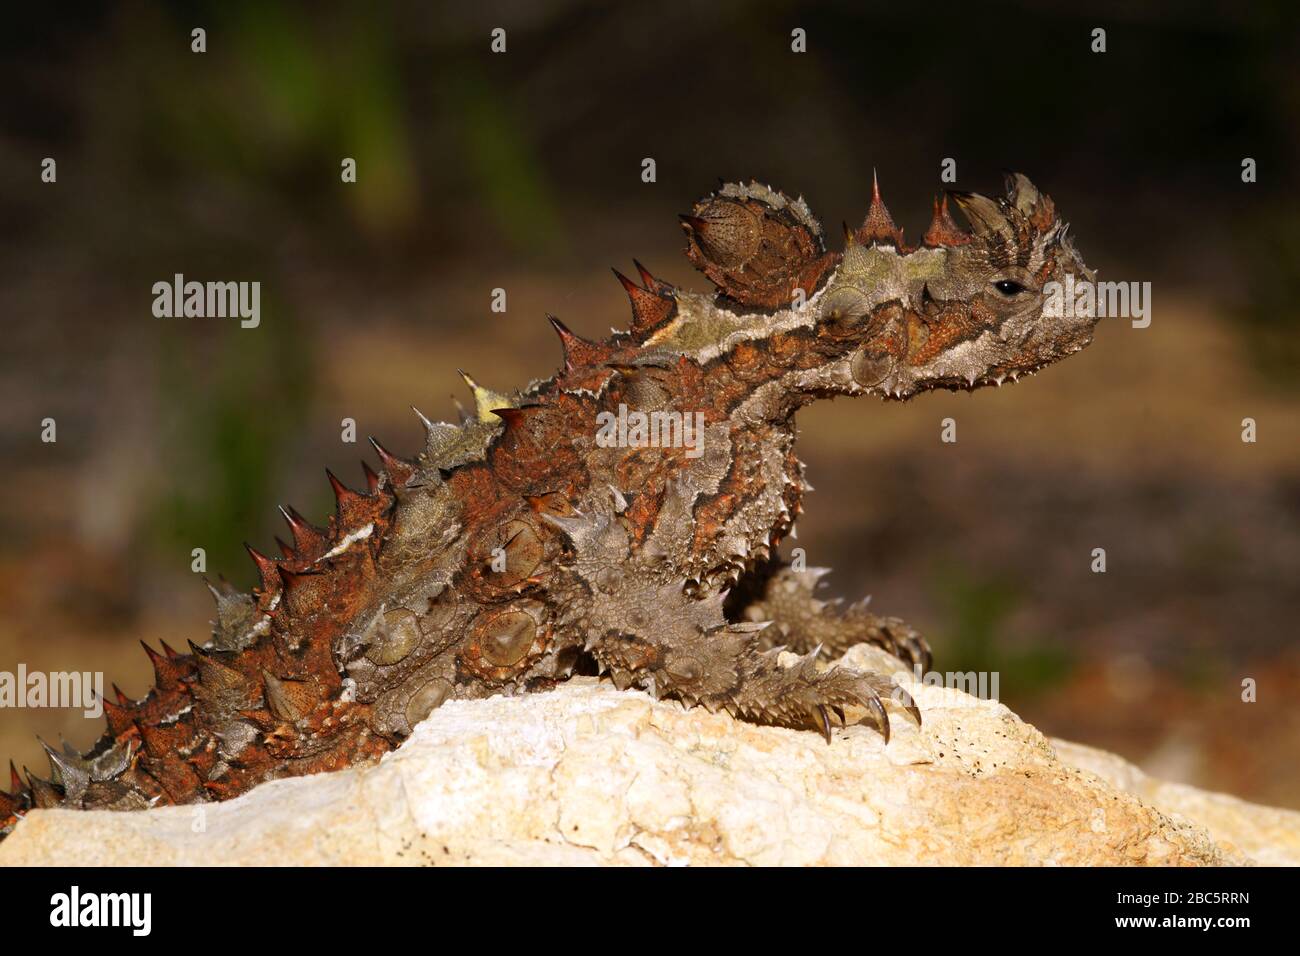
x=518, y=549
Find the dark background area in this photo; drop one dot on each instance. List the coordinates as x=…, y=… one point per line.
x=522, y=171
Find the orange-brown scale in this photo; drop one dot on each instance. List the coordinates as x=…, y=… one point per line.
x=755, y=254
x=476, y=657
x=743, y=482
x=935, y=334
x=179, y=752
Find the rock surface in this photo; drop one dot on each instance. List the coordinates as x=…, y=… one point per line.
x=1267, y=835
x=588, y=774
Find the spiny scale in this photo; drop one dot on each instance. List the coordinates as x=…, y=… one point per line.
x=650, y=307
x=546, y=528
x=878, y=226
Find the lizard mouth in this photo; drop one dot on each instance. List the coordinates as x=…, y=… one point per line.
x=998, y=375
x=888, y=386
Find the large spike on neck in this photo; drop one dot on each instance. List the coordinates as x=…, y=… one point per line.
x=878, y=227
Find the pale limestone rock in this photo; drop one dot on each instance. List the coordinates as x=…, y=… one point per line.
x=588, y=774
x=1268, y=835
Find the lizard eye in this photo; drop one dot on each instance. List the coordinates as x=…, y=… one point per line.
x=1008, y=287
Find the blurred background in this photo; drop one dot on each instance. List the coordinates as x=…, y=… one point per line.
x=523, y=171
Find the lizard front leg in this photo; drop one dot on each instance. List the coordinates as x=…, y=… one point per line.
x=803, y=622
x=643, y=628
x=732, y=667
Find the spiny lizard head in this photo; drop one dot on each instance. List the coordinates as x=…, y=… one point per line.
x=964, y=309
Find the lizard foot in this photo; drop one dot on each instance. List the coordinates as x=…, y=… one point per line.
x=803, y=696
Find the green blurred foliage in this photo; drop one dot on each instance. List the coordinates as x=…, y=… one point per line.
x=236, y=409
x=284, y=96
x=501, y=163
x=1269, y=319
x=972, y=633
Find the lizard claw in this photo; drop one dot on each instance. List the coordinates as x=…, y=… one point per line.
x=917, y=650
x=825, y=721
x=879, y=716
x=905, y=699
x=904, y=642
x=790, y=696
